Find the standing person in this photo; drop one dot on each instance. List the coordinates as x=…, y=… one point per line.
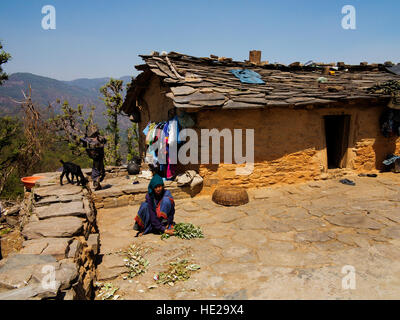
x=94, y=145
x=1, y=213
x=156, y=214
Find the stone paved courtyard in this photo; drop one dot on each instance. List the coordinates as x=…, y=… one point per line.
x=289, y=242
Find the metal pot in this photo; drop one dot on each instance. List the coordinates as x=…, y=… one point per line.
x=133, y=168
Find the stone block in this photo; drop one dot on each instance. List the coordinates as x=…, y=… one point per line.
x=110, y=203
x=108, y=193
x=57, y=190
x=61, y=227
x=12, y=221
x=67, y=274
x=73, y=249
x=15, y=278
x=60, y=210
x=139, y=198
x=31, y=292
x=123, y=201
x=90, y=214
x=134, y=188
x=13, y=211
x=94, y=242
x=16, y=271
x=57, y=199
x=22, y=260
x=56, y=247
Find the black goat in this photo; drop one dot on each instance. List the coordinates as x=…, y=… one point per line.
x=75, y=171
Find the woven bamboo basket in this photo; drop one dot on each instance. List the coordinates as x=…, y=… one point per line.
x=230, y=196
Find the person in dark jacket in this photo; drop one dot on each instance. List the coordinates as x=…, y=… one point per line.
x=94, y=145
x=156, y=214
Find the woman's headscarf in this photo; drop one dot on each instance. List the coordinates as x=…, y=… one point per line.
x=154, y=182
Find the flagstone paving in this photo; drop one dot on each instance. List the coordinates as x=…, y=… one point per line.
x=290, y=242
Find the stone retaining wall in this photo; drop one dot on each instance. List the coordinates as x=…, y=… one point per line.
x=60, y=243
x=134, y=194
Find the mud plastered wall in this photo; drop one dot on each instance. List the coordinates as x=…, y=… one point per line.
x=369, y=147
x=290, y=145
x=287, y=146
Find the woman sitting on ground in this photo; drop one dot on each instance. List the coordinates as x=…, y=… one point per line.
x=156, y=214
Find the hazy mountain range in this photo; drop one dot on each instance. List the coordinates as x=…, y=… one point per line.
x=47, y=90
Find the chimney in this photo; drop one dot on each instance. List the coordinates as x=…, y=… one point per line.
x=255, y=57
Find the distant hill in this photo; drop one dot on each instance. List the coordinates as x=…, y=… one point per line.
x=47, y=90
x=94, y=84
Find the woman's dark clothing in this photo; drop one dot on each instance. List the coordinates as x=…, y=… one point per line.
x=154, y=214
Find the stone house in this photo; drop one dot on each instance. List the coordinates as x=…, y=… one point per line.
x=303, y=124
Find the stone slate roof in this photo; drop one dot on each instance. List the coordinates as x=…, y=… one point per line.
x=197, y=83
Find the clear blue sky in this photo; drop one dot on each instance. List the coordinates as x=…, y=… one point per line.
x=98, y=38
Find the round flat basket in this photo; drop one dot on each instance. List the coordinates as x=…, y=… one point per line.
x=230, y=196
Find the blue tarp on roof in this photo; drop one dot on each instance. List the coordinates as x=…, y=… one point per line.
x=247, y=76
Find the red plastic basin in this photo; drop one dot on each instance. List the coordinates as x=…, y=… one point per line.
x=29, y=182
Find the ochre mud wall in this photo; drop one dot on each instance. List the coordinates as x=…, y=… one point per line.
x=287, y=147
x=290, y=145
x=368, y=146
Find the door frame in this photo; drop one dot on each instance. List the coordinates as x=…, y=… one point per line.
x=348, y=118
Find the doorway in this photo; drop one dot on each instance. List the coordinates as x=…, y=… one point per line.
x=337, y=138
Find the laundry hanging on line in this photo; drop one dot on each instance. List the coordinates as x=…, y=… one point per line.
x=162, y=137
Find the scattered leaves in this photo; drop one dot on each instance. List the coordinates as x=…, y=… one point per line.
x=179, y=270
x=135, y=261
x=107, y=291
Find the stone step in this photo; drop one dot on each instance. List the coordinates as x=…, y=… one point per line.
x=58, y=199
x=120, y=190
x=60, y=210
x=57, y=247
x=61, y=227
x=31, y=292
x=57, y=190
x=22, y=275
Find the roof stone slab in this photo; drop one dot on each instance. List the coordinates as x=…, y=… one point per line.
x=198, y=83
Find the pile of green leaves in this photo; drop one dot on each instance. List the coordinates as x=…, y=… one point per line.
x=135, y=261
x=185, y=231
x=179, y=270
x=388, y=87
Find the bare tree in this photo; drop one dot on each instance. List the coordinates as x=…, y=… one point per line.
x=72, y=125
x=26, y=151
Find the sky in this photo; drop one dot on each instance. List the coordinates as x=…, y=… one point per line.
x=99, y=38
